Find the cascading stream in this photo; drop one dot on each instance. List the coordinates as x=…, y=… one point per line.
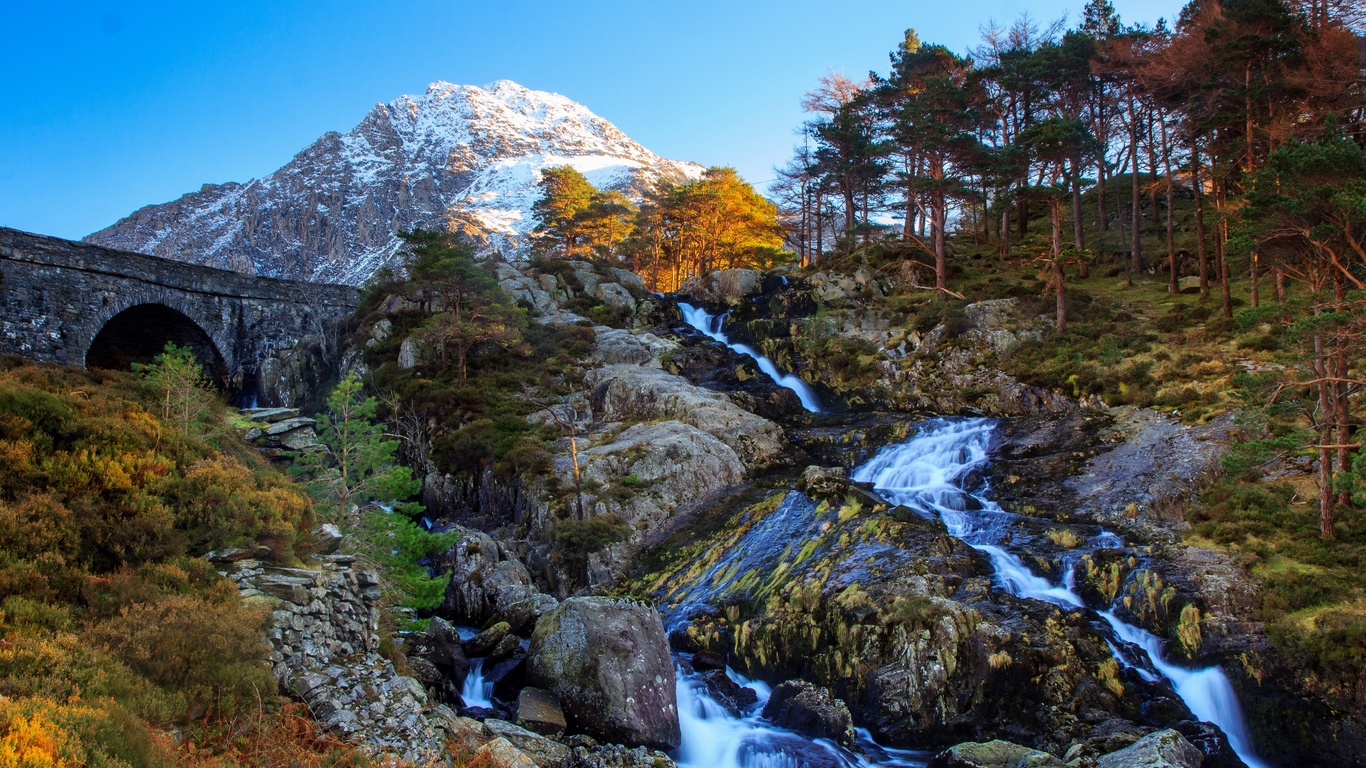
x=476, y=692
x=927, y=474
x=710, y=326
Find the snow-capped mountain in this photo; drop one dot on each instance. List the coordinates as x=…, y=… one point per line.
x=457, y=156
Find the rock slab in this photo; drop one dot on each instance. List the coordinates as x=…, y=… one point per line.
x=1163, y=749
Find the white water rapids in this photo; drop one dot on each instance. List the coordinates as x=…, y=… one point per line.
x=476, y=692
x=714, y=738
x=927, y=473
x=710, y=325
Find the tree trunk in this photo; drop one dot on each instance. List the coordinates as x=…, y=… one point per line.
x=1171, y=225
x=1222, y=241
x=1023, y=213
x=1200, y=247
x=908, y=228
x=1078, y=237
x=1100, y=195
x=1058, y=294
x=1003, y=246
x=1135, y=245
x=940, y=214
x=1326, y=409
x=820, y=227
x=1341, y=368
x=1253, y=294
x=850, y=212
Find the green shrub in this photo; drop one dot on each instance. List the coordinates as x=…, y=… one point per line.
x=576, y=539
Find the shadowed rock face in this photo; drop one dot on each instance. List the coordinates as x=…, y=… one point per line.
x=456, y=156
x=608, y=661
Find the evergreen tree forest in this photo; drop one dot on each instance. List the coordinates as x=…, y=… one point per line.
x=1064, y=148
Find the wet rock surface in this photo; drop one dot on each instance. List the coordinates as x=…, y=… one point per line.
x=810, y=710
x=739, y=701
x=608, y=662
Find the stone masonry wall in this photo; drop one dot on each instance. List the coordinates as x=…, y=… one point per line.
x=325, y=636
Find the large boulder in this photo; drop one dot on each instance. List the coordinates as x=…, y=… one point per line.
x=671, y=460
x=812, y=710
x=994, y=754
x=1163, y=749
x=615, y=346
x=644, y=475
x=731, y=287
x=636, y=393
x=608, y=662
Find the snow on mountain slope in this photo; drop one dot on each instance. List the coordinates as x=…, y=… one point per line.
x=457, y=156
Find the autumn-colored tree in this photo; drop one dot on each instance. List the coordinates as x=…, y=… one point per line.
x=576, y=219
x=716, y=222
x=605, y=223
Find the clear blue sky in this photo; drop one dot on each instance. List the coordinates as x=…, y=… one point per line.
x=108, y=106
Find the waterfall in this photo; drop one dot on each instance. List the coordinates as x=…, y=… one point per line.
x=927, y=473
x=710, y=326
x=1206, y=691
x=476, y=692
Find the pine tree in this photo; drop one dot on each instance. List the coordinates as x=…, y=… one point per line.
x=443, y=273
x=356, y=464
x=930, y=111
x=187, y=396
x=565, y=195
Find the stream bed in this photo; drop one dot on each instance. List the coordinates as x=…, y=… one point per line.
x=936, y=473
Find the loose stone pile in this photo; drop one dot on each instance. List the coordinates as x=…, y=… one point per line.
x=325, y=639
x=278, y=429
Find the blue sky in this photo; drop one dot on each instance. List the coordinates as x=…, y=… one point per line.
x=108, y=106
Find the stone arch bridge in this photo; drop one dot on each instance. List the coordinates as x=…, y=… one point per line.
x=79, y=304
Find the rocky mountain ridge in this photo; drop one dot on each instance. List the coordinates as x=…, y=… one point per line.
x=457, y=156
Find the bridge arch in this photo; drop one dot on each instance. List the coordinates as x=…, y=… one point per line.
x=140, y=332
x=57, y=296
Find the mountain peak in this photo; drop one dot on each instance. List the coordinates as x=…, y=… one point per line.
x=462, y=157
